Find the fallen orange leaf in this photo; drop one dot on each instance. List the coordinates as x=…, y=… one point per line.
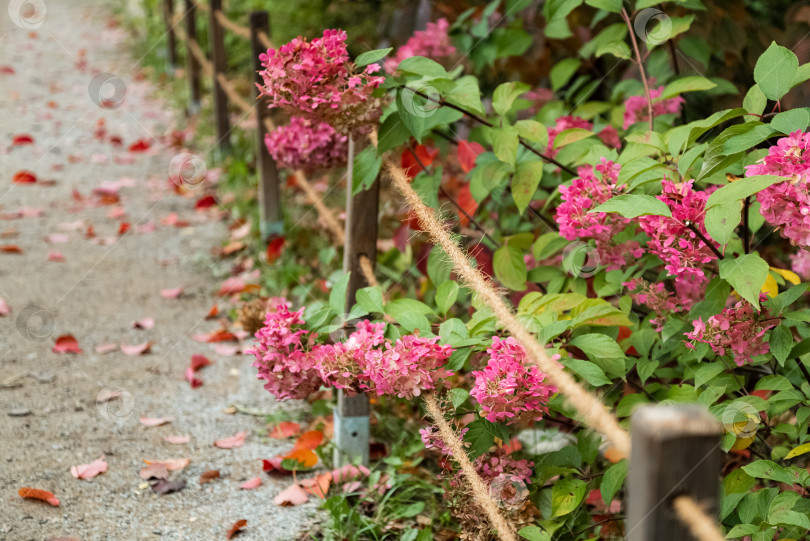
x=285, y=429
x=306, y=457
x=237, y=526
x=309, y=440
x=319, y=485
x=38, y=494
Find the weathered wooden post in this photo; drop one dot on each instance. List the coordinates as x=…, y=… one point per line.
x=220, y=64
x=171, y=39
x=351, y=416
x=675, y=452
x=272, y=224
x=192, y=66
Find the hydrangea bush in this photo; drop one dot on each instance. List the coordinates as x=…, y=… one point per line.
x=656, y=248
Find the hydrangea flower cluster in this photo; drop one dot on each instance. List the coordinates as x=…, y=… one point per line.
x=738, y=329
x=786, y=205
x=591, y=188
x=366, y=361
x=432, y=42
x=506, y=389
x=609, y=135
x=635, y=107
x=800, y=262
x=316, y=79
x=306, y=144
x=430, y=437
x=654, y=296
x=685, y=255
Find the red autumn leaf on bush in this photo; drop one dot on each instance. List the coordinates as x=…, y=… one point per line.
x=236, y=528
x=274, y=249
x=88, y=471
x=24, y=177
x=411, y=158
x=251, y=484
x=467, y=203
x=483, y=259
x=233, y=442
x=66, y=344
x=38, y=494
x=137, y=349
x=205, y=202
x=467, y=153
x=22, y=139
x=285, y=429
x=141, y=145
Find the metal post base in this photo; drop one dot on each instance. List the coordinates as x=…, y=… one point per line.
x=351, y=440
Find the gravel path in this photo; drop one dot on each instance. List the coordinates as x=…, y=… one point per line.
x=49, y=416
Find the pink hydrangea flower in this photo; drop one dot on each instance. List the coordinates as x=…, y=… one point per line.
x=635, y=107
x=430, y=437
x=609, y=135
x=408, y=367
x=591, y=188
x=316, y=79
x=432, y=42
x=343, y=365
x=684, y=254
x=738, y=330
x=539, y=97
x=801, y=264
x=305, y=144
x=506, y=389
x=786, y=205
x=656, y=297
x=288, y=370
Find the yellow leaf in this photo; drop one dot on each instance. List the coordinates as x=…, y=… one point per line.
x=796, y=451
x=770, y=287
x=790, y=276
x=742, y=443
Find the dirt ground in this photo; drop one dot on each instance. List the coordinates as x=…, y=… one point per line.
x=49, y=416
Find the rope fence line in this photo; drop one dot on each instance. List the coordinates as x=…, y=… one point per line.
x=239, y=30
x=265, y=40
x=233, y=95
x=192, y=46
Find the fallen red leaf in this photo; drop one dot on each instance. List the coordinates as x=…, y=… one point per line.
x=274, y=249
x=138, y=349
x=192, y=379
x=141, y=145
x=318, y=486
x=199, y=361
x=22, y=139
x=237, y=440
x=231, y=286
x=101, y=349
x=88, y=471
x=274, y=465
x=305, y=457
x=56, y=256
x=285, y=429
x=164, y=486
x=251, y=484
x=7, y=70
x=123, y=228
x=213, y=312
x=66, y=344
x=208, y=476
x=236, y=528
x=205, y=202
x=4, y=309
x=24, y=177
x=154, y=471
x=38, y=494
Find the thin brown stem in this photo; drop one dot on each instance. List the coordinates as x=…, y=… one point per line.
x=745, y=230
x=803, y=369
x=703, y=238
x=640, y=63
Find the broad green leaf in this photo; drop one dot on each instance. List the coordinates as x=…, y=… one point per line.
x=566, y=495
x=337, y=296
x=439, y=266
x=458, y=396
x=414, y=109
x=465, y=93
x=775, y=71
x=505, y=142
x=393, y=133
x=562, y=72
x=781, y=342
x=371, y=299
x=788, y=122
x=366, y=168
x=722, y=220
x=743, y=141
x=618, y=48
x=534, y=533
x=525, y=182
x=614, y=6
x=634, y=205
x=754, y=102
x=598, y=346
x=533, y=131
x=419, y=65
x=369, y=57
x=781, y=511
x=555, y=12
x=587, y=371
x=741, y=188
x=566, y=137
x=510, y=268
x=766, y=469
x=506, y=94
x=446, y=295
x=746, y=274
x=479, y=438
x=690, y=83
x=612, y=480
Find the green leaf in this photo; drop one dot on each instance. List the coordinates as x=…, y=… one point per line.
x=612, y=480
x=754, y=102
x=775, y=71
x=614, y=6
x=369, y=57
x=506, y=94
x=533, y=131
x=427, y=186
x=746, y=274
x=555, y=12
x=786, y=298
x=458, y=396
x=505, y=143
x=393, y=133
x=781, y=511
x=371, y=299
x=743, y=141
x=766, y=469
x=525, y=182
x=446, y=295
x=534, y=533
x=479, y=438
x=414, y=109
x=722, y=220
x=691, y=83
x=439, y=267
x=587, y=371
x=419, y=65
x=617, y=48
x=781, y=342
x=562, y=72
x=598, y=346
x=741, y=188
x=634, y=205
x=790, y=121
x=510, y=268
x=566, y=495
x=466, y=94
x=366, y=168
x=337, y=296
x=566, y=137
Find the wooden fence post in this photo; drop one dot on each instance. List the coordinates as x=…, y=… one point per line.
x=220, y=64
x=192, y=66
x=351, y=416
x=171, y=39
x=271, y=223
x=675, y=451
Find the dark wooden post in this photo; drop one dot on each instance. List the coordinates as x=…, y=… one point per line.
x=192, y=66
x=675, y=451
x=171, y=39
x=271, y=224
x=220, y=64
x=351, y=416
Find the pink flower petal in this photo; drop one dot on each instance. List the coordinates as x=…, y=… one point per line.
x=4, y=309
x=101, y=349
x=171, y=293
x=231, y=443
x=292, y=495
x=177, y=440
x=138, y=349
x=145, y=323
x=88, y=471
x=251, y=484
x=155, y=421
x=56, y=256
